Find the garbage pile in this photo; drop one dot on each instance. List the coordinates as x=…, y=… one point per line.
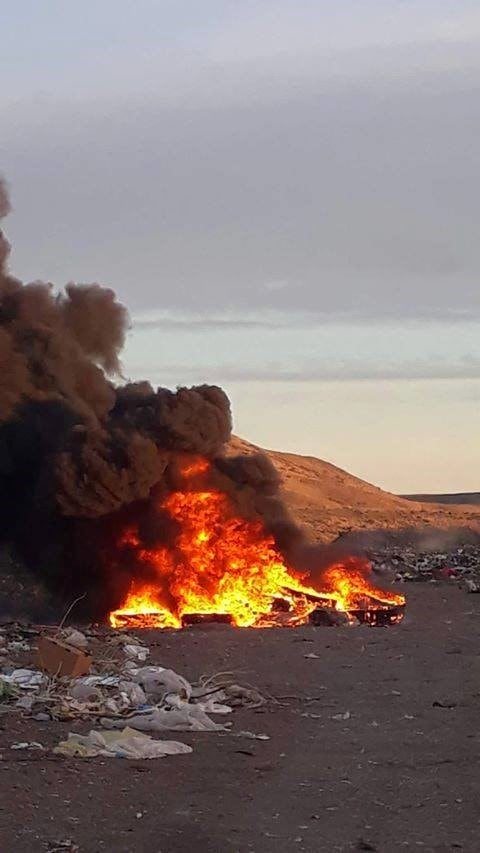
x=409, y=564
x=116, y=689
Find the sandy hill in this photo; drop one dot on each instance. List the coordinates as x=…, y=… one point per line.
x=328, y=501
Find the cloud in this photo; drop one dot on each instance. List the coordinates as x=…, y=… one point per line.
x=344, y=173
x=298, y=321
x=365, y=204
x=347, y=371
x=205, y=324
x=462, y=26
x=281, y=31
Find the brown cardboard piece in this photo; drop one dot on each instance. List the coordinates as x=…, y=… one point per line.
x=58, y=658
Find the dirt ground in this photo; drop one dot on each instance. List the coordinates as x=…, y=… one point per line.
x=399, y=771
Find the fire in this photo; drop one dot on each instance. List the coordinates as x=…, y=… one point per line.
x=224, y=564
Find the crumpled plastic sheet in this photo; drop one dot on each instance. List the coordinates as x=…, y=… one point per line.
x=136, y=652
x=27, y=679
x=125, y=744
x=157, y=698
x=75, y=638
x=127, y=695
x=158, y=682
x=211, y=706
x=180, y=717
x=132, y=693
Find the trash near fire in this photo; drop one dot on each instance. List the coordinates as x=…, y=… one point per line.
x=129, y=500
x=131, y=703
x=100, y=676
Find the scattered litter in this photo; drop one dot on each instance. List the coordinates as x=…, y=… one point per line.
x=344, y=716
x=138, y=653
x=66, y=844
x=26, y=702
x=99, y=680
x=125, y=744
x=120, y=694
x=158, y=682
x=133, y=693
x=312, y=655
x=18, y=646
x=448, y=705
x=451, y=573
x=182, y=718
x=58, y=658
x=405, y=563
x=27, y=745
x=235, y=694
x=75, y=638
x=84, y=692
x=253, y=736
x=26, y=679
x=212, y=707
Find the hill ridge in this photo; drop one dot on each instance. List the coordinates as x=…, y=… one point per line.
x=328, y=501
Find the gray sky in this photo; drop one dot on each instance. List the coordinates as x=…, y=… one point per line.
x=286, y=194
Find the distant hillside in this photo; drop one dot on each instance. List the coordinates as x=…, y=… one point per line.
x=328, y=501
x=470, y=498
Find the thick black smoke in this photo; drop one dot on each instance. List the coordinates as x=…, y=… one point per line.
x=81, y=456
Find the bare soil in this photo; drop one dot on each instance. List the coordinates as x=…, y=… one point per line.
x=398, y=772
x=328, y=501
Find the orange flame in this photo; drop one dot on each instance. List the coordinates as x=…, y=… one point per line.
x=224, y=564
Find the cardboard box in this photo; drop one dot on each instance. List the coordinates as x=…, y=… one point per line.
x=58, y=658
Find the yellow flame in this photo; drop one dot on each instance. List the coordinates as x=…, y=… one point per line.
x=225, y=564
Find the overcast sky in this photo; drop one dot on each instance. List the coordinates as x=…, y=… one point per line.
x=285, y=193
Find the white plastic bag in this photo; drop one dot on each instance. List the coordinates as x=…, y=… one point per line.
x=158, y=682
x=27, y=679
x=181, y=718
x=125, y=744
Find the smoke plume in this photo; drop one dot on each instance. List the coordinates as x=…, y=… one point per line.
x=82, y=455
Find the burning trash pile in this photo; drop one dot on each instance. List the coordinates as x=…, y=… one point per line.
x=129, y=699
x=125, y=495
x=228, y=569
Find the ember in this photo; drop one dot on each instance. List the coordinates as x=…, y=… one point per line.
x=221, y=563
